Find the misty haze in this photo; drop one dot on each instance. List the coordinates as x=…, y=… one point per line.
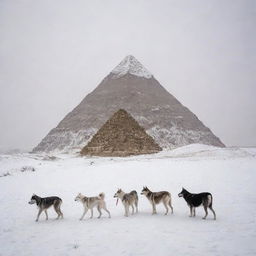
x=127, y=127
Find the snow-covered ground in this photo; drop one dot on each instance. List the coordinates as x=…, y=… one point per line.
x=229, y=174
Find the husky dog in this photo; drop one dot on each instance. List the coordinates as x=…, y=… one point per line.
x=195, y=200
x=128, y=199
x=158, y=197
x=91, y=202
x=43, y=203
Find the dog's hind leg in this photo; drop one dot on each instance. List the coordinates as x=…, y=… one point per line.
x=166, y=207
x=170, y=204
x=210, y=206
x=39, y=212
x=99, y=210
x=57, y=210
x=61, y=214
x=105, y=209
x=206, y=211
x=214, y=214
x=46, y=214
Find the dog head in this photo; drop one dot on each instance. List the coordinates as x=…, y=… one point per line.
x=118, y=192
x=33, y=199
x=79, y=197
x=183, y=192
x=145, y=191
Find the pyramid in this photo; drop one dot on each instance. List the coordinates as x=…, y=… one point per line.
x=121, y=135
x=132, y=87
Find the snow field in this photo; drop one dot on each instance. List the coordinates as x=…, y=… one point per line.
x=231, y=180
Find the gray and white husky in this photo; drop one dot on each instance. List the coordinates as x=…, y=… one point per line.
x=91, y=202
x=44, y=203
x=128, y=199
x=158, y=197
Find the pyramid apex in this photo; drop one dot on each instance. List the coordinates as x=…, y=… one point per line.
x=132, y=66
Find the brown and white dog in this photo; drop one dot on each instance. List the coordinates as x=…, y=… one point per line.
x=158, y=197
x=91, y=202
x=128, y=199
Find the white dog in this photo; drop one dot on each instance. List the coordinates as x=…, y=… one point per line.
x=91, y=202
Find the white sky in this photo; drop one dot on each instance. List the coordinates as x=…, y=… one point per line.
x=54, y=52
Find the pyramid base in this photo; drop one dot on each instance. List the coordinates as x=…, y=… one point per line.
x=92, y=152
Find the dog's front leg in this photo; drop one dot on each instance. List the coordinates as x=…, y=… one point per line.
x=191, y=209
x=91, y=213
x=126, y=211
x=85, y=211
x=154, y=208
x=39, y=212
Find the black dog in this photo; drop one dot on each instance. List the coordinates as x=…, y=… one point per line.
x=195, y=200
x=44, y=203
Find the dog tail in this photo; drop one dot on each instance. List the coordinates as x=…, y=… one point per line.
x=135, y=193
x=210, y=200
x=137, y=198
x=102, y=196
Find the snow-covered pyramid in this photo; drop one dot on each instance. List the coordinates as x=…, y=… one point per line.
x=121, y=135
x=132, y=87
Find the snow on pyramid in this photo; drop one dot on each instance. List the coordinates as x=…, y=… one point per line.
x=132, y=66
x=121, y=135
x=132, y=87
